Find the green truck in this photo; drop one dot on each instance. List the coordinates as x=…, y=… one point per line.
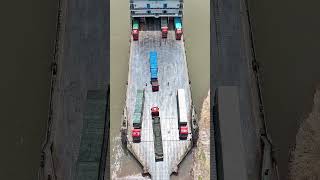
x=138, y=109
x=135, y=30
x=158, y=148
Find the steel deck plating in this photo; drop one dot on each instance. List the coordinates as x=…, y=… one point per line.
x=172, y=75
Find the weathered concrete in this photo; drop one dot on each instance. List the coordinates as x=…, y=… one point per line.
x=81, y=65
x=231, y=55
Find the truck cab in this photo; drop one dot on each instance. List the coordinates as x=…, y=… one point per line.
x=154, y=111
x=155, y=85
x=164, y=32
x=136, y=135
x=183, y=132
x=178, y=34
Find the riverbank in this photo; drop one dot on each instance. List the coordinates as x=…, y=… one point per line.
x=201, y=155
x=305, y=158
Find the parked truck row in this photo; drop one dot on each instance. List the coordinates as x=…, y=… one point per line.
x=177, y=24
x=138, y=113
x=181, y=104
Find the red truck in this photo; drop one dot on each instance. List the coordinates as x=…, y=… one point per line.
x=135, y=30
x=164, y=27
x=136, y=135
x=135, y=34
x=155, y=86
x=178, y=34
x=183, y=132
x=164, y=31
x=154, y=111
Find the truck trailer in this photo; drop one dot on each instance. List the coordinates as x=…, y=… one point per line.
x=137, y=116
x=158, y=148
x=153, y=60
x=182, y=114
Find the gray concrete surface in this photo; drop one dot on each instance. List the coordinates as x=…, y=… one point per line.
x=82, y=65
x=231, y=147
x=173, y=69
x=231, y=65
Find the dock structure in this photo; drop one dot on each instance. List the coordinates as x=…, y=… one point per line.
x=156, y=8
x=172, y=75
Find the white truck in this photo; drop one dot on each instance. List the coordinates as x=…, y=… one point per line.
x=182, y=114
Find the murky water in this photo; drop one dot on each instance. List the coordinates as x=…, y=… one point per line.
x=287, y=40
x=27, y=38
x=197, y=35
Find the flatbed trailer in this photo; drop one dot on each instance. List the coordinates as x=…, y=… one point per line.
x=173, y=75
x=158, y=147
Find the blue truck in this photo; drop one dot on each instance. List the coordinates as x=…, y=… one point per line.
x=153, y=60
x=154, y=71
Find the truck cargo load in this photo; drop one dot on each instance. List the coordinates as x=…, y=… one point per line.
x=153, y=60
x=158, y=148
x=153, y=66
x=135, y=24
x=136, y=135
x=138, y=109
x=182, y=111
x=140, y=94
x=154, y=75
x=154, y=71
x=177, y=23
x=136, y=120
